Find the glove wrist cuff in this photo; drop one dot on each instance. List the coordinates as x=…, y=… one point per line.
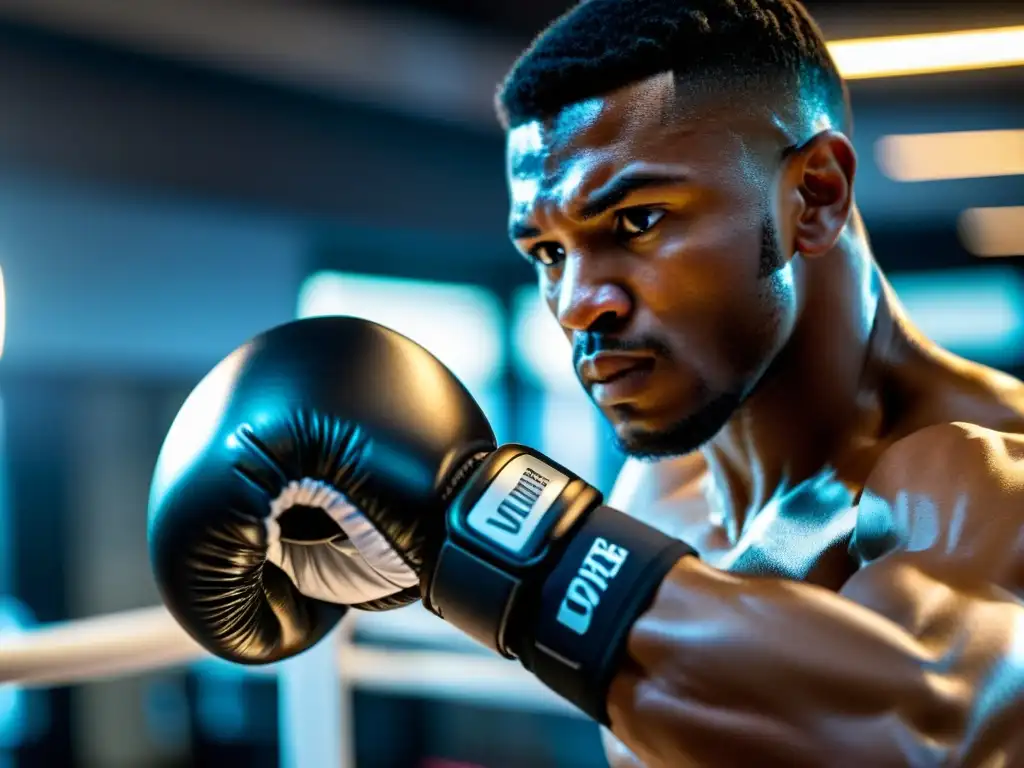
x=505, y=532
x=533, y=567
x=606, y=578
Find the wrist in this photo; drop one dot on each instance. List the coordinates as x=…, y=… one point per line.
x=607, y=577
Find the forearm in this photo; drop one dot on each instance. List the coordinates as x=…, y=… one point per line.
x=689, y=665
x=726, y=670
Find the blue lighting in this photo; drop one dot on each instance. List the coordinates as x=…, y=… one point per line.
x=541, y=350
x=18, y=721
x=220, y=701
x=975, y=313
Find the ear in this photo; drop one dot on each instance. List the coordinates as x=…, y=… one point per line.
x=822, y=171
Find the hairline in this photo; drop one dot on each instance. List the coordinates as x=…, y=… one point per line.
x=800, y=107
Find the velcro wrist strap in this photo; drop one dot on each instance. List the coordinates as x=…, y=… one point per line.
x=506, y=530
x=606, y=578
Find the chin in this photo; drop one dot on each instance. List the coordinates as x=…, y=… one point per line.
x=649, y=445
x=667, y=434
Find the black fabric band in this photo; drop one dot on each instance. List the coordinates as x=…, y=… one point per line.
x=605, y=579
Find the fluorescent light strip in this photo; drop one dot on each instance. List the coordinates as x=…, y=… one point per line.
x=953, y=155
x=929, y=53
x=993, y=232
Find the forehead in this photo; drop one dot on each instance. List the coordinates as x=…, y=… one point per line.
x=606, y=125
x=648, y=123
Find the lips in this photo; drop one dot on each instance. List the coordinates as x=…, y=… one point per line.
x=605, y=368
x=613, y=378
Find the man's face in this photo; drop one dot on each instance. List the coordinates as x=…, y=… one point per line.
x=654, y=238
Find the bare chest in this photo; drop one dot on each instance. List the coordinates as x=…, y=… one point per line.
x=805, y=537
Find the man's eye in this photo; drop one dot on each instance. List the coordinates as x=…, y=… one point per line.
x=547, y=254
x=636, y=221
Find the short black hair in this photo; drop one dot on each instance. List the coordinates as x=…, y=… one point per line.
x=599, y=46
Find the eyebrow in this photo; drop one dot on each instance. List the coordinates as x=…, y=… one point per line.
x=621, y=187
x=607, y=197
x=520, y=231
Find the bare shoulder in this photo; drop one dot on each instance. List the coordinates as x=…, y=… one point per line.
x=954, y=455
x=951, y=491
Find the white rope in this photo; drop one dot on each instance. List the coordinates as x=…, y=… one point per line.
x=133, y=642
x=115, y=644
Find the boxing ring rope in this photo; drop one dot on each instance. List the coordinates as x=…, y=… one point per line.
x=320, y=681
x=314, y=689
x=98, y=647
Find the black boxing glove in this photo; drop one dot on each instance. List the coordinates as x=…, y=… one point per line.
x=307, y=473
x=333, y=463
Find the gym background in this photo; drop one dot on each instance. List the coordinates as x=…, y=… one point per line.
x=177, y=176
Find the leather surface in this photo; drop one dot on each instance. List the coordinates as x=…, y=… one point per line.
x=335, y=399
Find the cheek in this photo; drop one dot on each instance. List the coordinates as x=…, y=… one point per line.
x=725, y=319
x=770, y=322
x=745, y=332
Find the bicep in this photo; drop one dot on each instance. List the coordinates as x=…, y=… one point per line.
x=945, y=569
x=946, y=504
x=939, y=603
x=967, y=634
x=940, y=545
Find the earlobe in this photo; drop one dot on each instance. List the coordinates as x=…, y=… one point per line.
x=827, y=167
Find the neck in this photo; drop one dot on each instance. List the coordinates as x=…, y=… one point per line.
x=818, y=410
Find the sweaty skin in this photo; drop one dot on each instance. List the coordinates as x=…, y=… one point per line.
x=859, y=600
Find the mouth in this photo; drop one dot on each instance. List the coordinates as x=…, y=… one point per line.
x=613, y=378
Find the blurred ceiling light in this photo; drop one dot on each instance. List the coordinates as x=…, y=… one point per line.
x=462, y=325
x=929, y=53
x=953, y=155
x=993, y=232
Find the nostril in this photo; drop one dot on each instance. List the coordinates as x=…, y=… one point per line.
x=607, y=323
x=308, y=525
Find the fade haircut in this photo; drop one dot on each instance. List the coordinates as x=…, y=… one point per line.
x=600, y=46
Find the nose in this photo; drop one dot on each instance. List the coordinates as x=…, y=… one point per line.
x=589, y=298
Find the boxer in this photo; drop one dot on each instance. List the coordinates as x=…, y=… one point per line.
x=825, y=569
x=719, y=133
